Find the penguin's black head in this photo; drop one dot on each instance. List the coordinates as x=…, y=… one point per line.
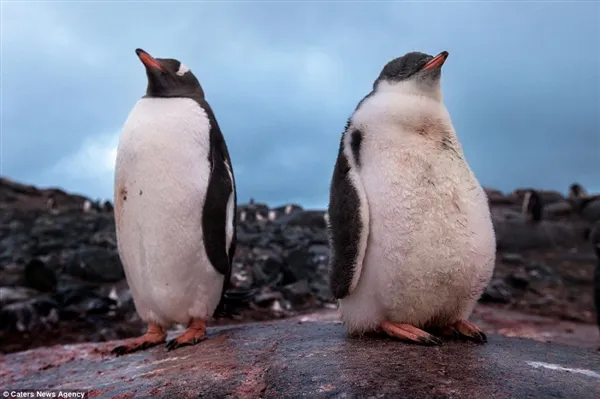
x=168, y=77
x=423, y=68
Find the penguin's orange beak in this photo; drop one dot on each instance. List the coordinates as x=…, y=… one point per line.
x=436, y=61
x=148, y=60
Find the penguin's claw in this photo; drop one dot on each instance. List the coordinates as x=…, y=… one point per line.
x=174, y=344
x=407, y=332
x=462, y=329
x=154, y=336
x=195, y=333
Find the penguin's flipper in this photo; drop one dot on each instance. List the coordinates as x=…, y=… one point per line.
x=348, y=217
x=219, y=213
x=219, y=219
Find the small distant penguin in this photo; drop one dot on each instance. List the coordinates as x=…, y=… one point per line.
x=272, y=215
x=87, y=206
x=576, y=190
x=175, y=206
x=51, y=202
x=579, y=198
x=107, y=206
x=532, y=207
x=411, y=236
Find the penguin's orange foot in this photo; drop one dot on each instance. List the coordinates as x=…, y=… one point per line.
x=155, y=335
x=195, y=332
x=462, y=329
x=406, y=332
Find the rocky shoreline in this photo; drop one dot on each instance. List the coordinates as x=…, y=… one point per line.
x=61, y=279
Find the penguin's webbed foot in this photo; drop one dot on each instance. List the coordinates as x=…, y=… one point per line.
x=195, y=333
x=406, y=332
x=155, y=335
x=462, y=329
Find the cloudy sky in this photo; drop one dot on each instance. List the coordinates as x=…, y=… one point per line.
x=522, y=84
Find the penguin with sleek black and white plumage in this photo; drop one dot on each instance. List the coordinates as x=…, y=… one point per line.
x=175, y=206
x=532, y=207
x=412, y=241
x=576, y=190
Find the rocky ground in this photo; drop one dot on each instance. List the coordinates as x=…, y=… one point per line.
x=61, y=280
x=310, y=359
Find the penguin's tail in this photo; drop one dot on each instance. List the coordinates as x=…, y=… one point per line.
x=233, y=301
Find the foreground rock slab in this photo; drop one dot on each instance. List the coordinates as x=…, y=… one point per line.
x=290, y=359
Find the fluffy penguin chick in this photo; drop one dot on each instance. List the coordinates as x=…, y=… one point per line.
x=411, y=236
x=175, y=206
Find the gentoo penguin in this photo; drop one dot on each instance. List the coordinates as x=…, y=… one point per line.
x=532, y=207
x=579, y=198
x=576, y=190
x=51, y=202
x=410, y=231
x=175, y=206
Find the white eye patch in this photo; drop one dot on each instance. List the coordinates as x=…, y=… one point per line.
x=182, y=69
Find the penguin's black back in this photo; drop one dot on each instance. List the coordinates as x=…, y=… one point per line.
x=535, y=206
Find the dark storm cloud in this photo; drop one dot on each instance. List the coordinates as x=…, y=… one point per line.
x=522, y=84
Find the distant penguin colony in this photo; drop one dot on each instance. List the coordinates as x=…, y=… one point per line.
x=175, y=207
x=533, y=206
x=411, y=235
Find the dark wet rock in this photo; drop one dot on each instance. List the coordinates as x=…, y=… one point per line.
x=267, y=298
x=27, y=197
x=513, y=259
x=517, y=281
x=39, y=276
x=591, y=211
x=557, y=210
x=298, y=293
x=497, y=198
x=516, y=235
x=77, y=300
x=15, y=294
x=95, y=264
x=299, y=266
x=541, y=272
x=267, y=270
x=304, y=219
x=287, y=359
x=497, y=291
x=34, y=314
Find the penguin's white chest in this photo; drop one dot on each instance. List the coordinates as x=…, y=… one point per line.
x=431, y=244
x=161, y=179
